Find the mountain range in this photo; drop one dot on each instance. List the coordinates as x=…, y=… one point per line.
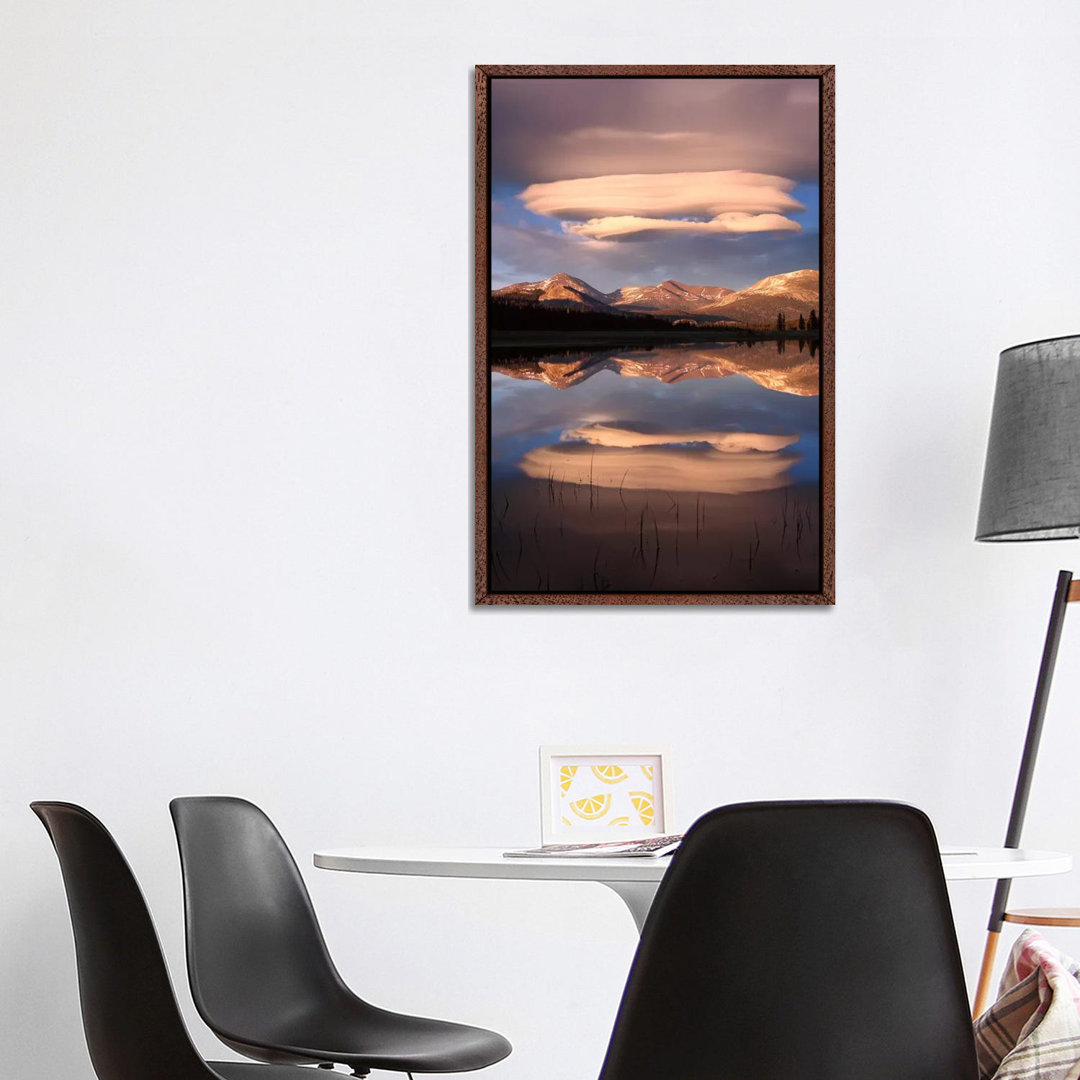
x=794, y=294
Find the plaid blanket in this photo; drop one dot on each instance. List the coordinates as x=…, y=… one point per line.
x=1032, y=1031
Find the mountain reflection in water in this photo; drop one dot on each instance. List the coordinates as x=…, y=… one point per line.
x=674, y=469
x=790, y=369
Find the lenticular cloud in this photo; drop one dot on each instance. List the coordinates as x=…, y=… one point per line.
x=645, y=205
x=624, y=228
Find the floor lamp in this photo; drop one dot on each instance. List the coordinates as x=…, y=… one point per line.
x=1031, y=491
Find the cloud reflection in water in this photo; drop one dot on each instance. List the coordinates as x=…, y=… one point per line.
x=699, y=468
x=722, y=419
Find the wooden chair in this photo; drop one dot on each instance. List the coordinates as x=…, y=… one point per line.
x=1049, y=916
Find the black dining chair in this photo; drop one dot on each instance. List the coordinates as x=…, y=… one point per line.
x=133, y=1026
x=259, y=969
x=798, y=941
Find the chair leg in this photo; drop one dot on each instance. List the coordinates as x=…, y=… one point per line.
x=982, y=992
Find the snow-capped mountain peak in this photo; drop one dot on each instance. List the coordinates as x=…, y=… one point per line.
x=795, y=293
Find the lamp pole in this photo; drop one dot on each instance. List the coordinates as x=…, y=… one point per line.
x=1065, y=592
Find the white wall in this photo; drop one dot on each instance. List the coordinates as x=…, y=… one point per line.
x=235, y=528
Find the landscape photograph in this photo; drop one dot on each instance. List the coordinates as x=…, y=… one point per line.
x=654, y=336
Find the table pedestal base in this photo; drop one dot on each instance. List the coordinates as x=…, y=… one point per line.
x=637, y=896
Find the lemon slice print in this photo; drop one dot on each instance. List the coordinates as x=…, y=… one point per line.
x=619, y=821
x=646, y=771
x=592, y=808
x=643, y=804
x=609, y=774
x=566, y=777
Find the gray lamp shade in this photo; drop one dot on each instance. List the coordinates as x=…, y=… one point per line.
x=1031, y=485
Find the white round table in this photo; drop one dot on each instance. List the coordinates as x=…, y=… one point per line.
x=636, y=879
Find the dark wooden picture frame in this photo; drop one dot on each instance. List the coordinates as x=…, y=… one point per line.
x=494, y=583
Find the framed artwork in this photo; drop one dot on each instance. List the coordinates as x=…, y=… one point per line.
x=654, y=335
x=596, y=793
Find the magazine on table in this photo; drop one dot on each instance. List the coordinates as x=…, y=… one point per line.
x=649, y=847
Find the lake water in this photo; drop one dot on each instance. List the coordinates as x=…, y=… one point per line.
x=684, y=468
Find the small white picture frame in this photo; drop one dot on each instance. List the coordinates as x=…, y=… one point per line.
x=596, y=793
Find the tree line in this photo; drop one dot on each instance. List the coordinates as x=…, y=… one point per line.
x=811, y=322
x=505, y=314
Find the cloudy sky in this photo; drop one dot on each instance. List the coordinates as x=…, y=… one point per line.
x=634, y=181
